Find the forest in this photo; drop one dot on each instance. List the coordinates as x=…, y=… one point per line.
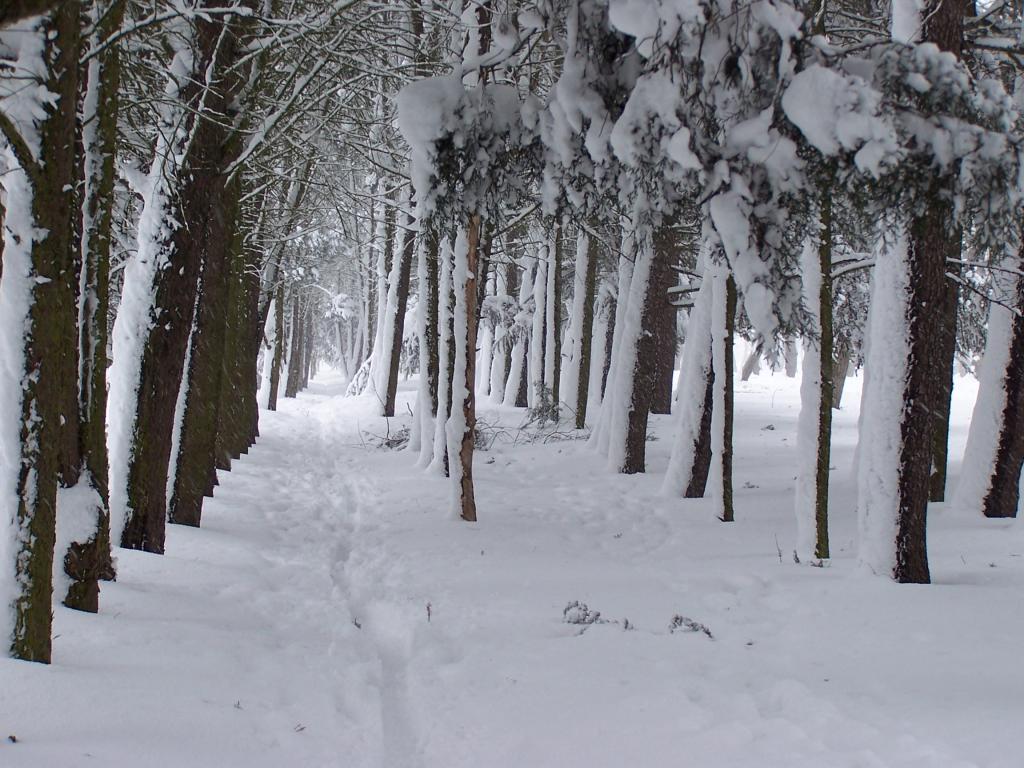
x=710, y=312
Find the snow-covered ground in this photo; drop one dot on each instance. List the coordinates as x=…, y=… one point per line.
x=330, y=612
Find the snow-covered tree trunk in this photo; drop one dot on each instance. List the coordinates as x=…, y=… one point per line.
x=662, y=324
x=38, y=328
x=422, y=431
x=88, y=560
x=278, y=348
x=722, y=334
x=294, y=372
x=690, y=460
x=581, y=323
x=461, y=426
x=388, y=276
x=538, y=333
x=167, y=291
x=600, y=344
x=991, y=471
x=947, y=360
x=439, y=456
x=814, y=425
x=905, y=362
x=203, y=388
x=627, y=425
x=896, y=434
x=553, y=313
x=404, y=257
x=487, y=331
x=601, y=436
x=516, y=384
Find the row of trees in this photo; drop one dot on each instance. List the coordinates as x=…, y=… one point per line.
x=201, y=200
x=155, y=160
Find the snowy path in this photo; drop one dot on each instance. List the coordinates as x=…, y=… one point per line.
x=330, y=613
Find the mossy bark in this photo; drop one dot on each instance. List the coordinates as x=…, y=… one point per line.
x=196, y=458
x=50, y=354
x=201, y=187
x=88, y=562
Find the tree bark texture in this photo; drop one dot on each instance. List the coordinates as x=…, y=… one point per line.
x=49, y=355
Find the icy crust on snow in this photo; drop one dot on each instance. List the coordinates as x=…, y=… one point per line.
x=987, y=419
x=807, y=445
x=882, y=404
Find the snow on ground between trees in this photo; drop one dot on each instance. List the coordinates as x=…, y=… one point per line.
x=329, y=612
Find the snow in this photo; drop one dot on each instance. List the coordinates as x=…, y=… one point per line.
x=16, y=287
x=23, y=101
x=135, y=313
x=881, y=442
x=808, y=446
x=78, y=508
x=987, y=417
x=293, y=628
x=907, y=20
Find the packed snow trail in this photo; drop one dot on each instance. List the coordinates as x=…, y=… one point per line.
x=237, y=648
x=331, y=612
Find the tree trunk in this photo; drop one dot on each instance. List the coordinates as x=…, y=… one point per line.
x=663, y=320
x=433, y=362
x=89, y=561
x=586, y=333
x=991, y=470
x=814, y=433
x=291, y=387
x=944, y=393
x=406, y=253
x=203, y=183
x=205, y=394
x=724, y=377
x=553, y=315
x=463, y=394
x=275, y=371
x=37, y=295
x=840, y=371
x=690, y=460
x=1003, y=495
